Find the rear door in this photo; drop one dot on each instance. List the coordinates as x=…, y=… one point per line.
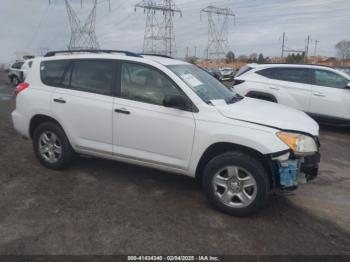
x=144, y=130
x=290, y=85
x=83, y=103
x=330, y=97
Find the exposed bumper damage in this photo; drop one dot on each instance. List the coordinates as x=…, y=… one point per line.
x=291, y=170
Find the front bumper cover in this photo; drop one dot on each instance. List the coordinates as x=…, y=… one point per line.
x=291, y=170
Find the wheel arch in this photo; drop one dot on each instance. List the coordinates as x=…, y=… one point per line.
x=222, y=147
x=38, y=119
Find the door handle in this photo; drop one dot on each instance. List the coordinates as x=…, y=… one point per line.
x=319, y=94
x=274, y=88
x=59, y=100
x=122, y=111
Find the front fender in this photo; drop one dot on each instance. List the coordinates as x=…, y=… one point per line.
x=259, y=138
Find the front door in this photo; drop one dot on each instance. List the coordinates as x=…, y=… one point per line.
x=330, y=97
x=145, y=130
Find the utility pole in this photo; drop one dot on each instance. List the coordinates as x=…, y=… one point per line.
x=159, y=35
x=218, y=24
x=195, y=51
x=283, y=39
x=187, y=51
x=315, y=51
x=307, y=48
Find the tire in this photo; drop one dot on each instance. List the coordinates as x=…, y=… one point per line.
x=51, y=146
x=15, y=81
x=236, y=184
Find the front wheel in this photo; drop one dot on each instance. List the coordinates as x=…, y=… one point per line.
x=236, y=184
x=51, y=146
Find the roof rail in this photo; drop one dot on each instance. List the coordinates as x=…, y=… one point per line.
x=302, y=64
x=96, y=51
x=160, y=55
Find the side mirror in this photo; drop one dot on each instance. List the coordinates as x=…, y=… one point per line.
x=175, y=101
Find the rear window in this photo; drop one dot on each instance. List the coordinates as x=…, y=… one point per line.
x=297, y=75
x=243, y=70
x=51, y=72
x=17, y=65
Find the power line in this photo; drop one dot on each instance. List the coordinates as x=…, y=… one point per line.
x=82, y=36
x=159, y=35
x=218, y=23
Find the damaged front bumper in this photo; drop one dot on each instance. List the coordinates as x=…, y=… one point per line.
x=291, y=170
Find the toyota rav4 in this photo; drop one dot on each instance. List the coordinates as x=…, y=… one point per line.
x=164, y=113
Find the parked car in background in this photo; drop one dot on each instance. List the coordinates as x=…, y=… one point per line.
x=15, y=73
x=322, y=92
x=214, y=72
x=25, y=68
x=344, y=69
x=226, y=74
x=19, y=70
x=166, y=114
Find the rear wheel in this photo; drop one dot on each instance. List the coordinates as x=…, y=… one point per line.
x=236, y=183
x=51, y=146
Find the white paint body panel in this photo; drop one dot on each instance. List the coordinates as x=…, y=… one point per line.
x=88, y=117
x=153, y=133
x=320, y=100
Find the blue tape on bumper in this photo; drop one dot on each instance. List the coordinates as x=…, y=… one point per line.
x=288, y=173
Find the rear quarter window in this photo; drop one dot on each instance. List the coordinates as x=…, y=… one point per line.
x=51, y=72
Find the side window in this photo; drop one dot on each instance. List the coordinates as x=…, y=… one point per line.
x=329, y=79
x=297, y=75
x=268, y=72
x=51, y=72
x=145, y=84
x=30, y=64
x=95, y=76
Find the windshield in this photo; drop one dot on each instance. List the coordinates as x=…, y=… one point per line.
x=203, y=84
x=243, y=70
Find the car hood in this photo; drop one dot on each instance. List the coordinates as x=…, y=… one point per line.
x=270, y=114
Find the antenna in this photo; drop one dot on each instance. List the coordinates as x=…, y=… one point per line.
x=159, y=35
x=218, y=23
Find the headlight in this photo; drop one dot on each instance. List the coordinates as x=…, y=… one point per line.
x=299, y=143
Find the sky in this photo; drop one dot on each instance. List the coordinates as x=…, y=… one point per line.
x=33, y=25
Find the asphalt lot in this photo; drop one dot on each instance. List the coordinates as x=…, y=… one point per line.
x=104, y=207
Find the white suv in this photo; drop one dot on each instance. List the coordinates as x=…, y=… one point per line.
x=166, y=114
x=322, y=92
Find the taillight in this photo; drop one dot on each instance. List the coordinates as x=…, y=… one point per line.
x=21, y=87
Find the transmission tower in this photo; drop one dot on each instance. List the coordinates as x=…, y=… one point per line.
x=218, y=25
x=159, y=35
x=82, y=36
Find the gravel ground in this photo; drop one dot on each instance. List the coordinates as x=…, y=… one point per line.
x=104, y=207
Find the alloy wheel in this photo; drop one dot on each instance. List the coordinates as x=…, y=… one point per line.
x=234, y=186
